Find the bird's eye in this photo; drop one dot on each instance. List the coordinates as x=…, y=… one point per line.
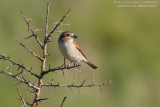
x=67, y=34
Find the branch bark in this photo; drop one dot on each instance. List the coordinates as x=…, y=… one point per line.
x=20, y=80
x=29, y=28
x=19, y=65
x=43, y=58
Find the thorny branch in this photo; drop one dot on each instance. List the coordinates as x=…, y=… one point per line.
x=33, y=53
x=43, y=72
x=20, y=80
x=56, y=26
x=25, y=103
x=58, y=68
x=29, y=28
x=64, y=99
x=19, y=65
x=77, y=86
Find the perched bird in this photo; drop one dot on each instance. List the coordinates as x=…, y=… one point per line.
x=70, y=50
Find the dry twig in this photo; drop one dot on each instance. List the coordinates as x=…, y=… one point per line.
x=37, y=88
x=20, y=80
x=64, y=99
x=56, y=26
x=29, y=28
x=19, y=65
x=25, y=103
x=33, y=53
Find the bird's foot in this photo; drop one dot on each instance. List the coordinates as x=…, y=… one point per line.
x=76, y=64
x=69, y=65
x=63, y=66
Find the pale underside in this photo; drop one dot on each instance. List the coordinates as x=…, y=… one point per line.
x=70, y=52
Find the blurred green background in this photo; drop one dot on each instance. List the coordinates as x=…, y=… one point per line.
x=122, y=42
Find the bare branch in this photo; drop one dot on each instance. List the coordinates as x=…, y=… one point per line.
x=43, y=63
x=64, y=99
x=83, y=82
x=25, y=103
x=27, y=21
x=56, y=26
x=47, y=20
x=21, y=80
x=33, y=53
x=42, y=99
x=36, y=88
x=76, y=86
x=19, y=65
x=29, y=28
x=59, y=68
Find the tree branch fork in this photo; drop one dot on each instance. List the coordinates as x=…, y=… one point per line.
x=22, y=68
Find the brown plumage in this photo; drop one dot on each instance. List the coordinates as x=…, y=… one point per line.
x=88, y=62
x=70, y=49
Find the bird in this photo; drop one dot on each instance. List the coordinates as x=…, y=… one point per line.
x=70, y=49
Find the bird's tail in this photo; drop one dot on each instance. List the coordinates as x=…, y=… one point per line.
x=91, y=65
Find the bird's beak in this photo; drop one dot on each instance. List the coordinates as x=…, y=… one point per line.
x=74, y=36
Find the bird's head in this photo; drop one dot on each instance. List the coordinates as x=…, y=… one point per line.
x=67, y=36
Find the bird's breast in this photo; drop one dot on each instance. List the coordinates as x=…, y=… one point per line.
x=70, y=52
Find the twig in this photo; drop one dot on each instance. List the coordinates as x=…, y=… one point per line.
x=37, y=88
x=29, y=50
x=64, y=99
x=43, y=63
x=59, y=68
x=83, y=83
x=25, y=103
x=29, y=28
x=47, y=20
x=77, y=86
x=42, y=99
x=19, y=65
x=55, y=27
x=21, y=80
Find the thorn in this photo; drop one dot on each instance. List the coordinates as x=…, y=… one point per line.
x=18, y=68
x=100, y=89
x=63, y=101
x=79, y=90
x=83, y=83
x=70, y=88
x=93, y=80
x=31, y=68
x=49, y=66
x=29, y=20
x=39, y=100
x=34, y=82
x=17, y=74
x=29, y=37
x=52, y=82
x=63, y=75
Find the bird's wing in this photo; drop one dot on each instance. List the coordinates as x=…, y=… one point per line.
x=76, y=45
